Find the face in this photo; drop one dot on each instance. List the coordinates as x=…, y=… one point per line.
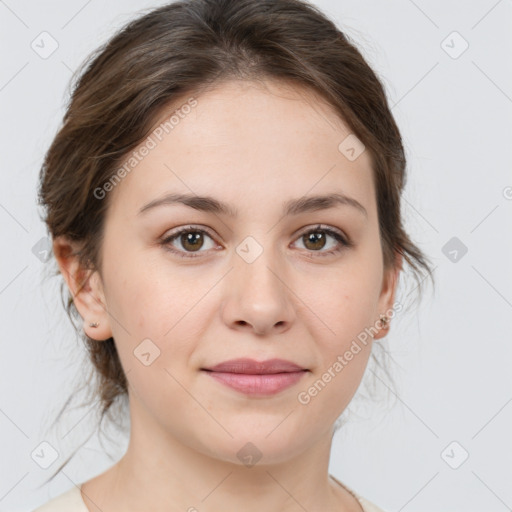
x=266, y=277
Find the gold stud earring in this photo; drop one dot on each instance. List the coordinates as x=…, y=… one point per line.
x=93, y=324
x=384, y=320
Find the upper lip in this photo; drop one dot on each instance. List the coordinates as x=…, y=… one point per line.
x=253, y=367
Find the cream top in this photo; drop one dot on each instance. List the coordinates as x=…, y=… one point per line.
x=71, y=501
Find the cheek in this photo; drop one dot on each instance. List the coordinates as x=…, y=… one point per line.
x=343, y=310
x=342, y=305
x=329, y=392
x=143, y=292
x=343, y=350
x=156, y=309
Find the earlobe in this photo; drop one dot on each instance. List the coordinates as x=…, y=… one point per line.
x=86, y=289
x=387, y=297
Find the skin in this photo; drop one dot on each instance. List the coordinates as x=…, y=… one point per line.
x=252, y=146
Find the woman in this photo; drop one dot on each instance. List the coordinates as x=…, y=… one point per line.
x=224, y=203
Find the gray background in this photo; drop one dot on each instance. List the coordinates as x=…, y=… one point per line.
x=452, y=354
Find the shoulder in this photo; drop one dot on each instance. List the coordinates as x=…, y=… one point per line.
x=70, y=501
x=366, y=505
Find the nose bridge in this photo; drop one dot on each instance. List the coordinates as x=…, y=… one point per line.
x=256, y=264
x=257, y=293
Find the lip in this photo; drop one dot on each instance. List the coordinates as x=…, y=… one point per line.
x=253, y=377
x=253, y=367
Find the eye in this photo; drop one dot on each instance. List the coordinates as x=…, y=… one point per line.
x=316, y=239
x=190, y=239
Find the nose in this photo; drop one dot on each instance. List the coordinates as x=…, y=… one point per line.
x=258, y=296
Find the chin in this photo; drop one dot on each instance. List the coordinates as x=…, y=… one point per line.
x=256, y=446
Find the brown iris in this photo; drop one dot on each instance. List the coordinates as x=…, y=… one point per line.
x=316, y=238
x=192, y=241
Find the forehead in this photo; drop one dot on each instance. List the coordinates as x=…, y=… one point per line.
x=244, y=141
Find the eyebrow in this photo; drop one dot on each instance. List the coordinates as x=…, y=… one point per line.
x=292, y=207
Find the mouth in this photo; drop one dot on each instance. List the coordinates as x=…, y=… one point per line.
x=252, y=377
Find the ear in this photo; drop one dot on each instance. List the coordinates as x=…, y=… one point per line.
x=387, y=296
x=86, y=289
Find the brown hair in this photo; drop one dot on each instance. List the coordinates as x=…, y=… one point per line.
x=184, y=48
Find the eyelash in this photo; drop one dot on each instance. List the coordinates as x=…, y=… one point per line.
x=344, y=243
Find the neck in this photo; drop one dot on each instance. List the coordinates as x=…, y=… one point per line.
x=164, y=471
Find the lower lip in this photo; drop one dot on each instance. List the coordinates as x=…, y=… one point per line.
x=268, y=384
